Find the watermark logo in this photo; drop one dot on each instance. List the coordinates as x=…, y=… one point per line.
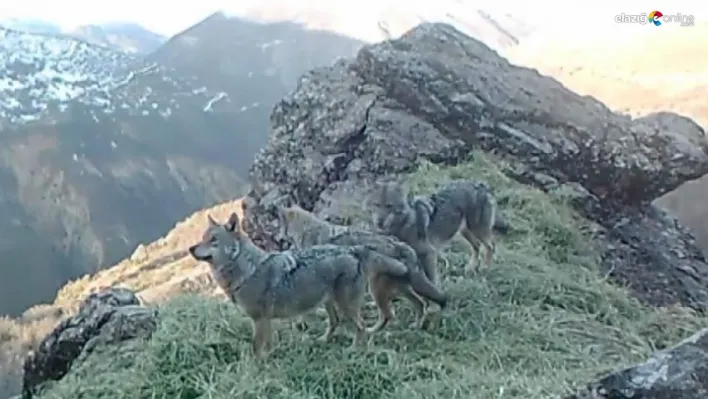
x=656, y=18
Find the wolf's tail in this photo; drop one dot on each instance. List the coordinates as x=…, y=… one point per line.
x=501, y=224
x=425, y=288
x=374, y=262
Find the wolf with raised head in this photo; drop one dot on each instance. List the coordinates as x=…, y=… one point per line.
x=285, y=284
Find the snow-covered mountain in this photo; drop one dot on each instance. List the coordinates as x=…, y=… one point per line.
x=30, y=25
x=123, y=36
x=45, y=74
x=99, y=151
x=128, y=37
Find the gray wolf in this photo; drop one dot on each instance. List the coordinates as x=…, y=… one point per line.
x=285, y=284
x=306, y=230
x=428, y=222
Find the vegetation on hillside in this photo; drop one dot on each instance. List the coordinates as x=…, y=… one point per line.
x=17, y=337
x=539, y=322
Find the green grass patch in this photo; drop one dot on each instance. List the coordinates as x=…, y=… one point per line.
x=536, y=324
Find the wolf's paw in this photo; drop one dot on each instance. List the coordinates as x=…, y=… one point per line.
x=301, y=325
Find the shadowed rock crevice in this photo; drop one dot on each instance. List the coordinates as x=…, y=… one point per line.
x=435, y=94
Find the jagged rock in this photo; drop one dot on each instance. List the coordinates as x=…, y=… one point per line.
x=434, y=94
x=678, y=372
x=106, y=317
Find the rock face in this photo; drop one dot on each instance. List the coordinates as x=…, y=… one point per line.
x=435, y=94
x=678, y=372
x=106, y=317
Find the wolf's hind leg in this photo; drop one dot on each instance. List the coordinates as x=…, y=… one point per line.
x=474, y=242
x=382, y=297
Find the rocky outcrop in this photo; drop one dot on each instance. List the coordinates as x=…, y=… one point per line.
x=678, y=372
x=106, y=317
x=435, y=94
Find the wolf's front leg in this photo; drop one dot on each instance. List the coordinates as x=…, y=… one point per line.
x=262, y=337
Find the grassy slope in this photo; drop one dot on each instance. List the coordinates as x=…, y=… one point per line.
x=540, y=321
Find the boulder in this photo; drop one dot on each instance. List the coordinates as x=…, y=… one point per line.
x=106, y=317
x=436, y=94
x=678, y=372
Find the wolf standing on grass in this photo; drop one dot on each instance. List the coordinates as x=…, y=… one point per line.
x=306, y=230
x=428, y=222
x=276, y=285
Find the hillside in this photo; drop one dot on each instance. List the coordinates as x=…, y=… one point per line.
x=503, y=326
x=548, y=317
x=647, y=71
x=100, y=151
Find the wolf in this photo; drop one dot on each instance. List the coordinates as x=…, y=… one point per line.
x=306, y=230
x=427, y=222
x=284, y=284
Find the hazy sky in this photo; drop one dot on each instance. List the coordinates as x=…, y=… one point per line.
x=170, y=17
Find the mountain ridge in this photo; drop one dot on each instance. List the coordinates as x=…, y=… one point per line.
x=86, y=131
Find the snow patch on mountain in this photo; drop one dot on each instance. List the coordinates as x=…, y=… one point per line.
x=44, y=74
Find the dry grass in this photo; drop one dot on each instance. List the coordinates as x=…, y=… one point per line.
x=158, y=272
x=537, y=323
x=159, y=269
x=17, y=338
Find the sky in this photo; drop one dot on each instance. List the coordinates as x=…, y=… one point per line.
x=171, y=17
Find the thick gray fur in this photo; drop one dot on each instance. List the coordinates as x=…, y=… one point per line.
x=276, y=285
x=427, y=222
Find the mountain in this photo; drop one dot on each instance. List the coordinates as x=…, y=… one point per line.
x=101, y=151
x=128, y=37
x=123, y=36
x=256, y=64
x=388, y=19
x=104, y=150
x=30, y=25
x=546, y=318
x=648, y=71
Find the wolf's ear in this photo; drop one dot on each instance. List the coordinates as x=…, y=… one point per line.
x=234, y=223
x=211, y=220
